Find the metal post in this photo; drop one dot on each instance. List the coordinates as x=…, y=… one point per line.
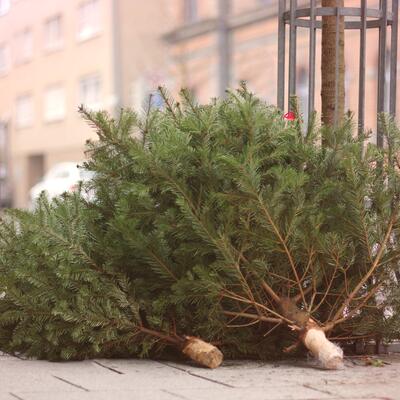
x=381, y=68
x=368, y=19
x=224, y=50
x=292, y=50
x=281, y=55
x=393, y=55
x=311, y=61
x=361, y=81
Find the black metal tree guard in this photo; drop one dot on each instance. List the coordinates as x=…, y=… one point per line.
x=368, y=18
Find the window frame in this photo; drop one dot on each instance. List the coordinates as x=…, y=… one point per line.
x=54, y=116
x=83, y=97
x=92, y=26
x=49, y=43
x=23, y=57
x=27, y=122
x=5, y=6
x=7, y=57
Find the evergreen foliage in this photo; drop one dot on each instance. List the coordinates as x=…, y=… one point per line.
x=222, y=221
x=60, y=300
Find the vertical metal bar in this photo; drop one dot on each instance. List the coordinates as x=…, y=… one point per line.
x=393, y=56
x=381, y=67
x=281, y=55
x=224, y=48
x=292, y=50
x=311, y=61
x=361, y=81
x=117, y=65
x=337, y=36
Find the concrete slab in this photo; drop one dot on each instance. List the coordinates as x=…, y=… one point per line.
x=235, y=380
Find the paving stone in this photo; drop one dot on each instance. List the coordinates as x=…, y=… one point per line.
x=235, y=380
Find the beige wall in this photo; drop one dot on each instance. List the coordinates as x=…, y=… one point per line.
x=127, y=53
x=141, y=53
x=63, y=139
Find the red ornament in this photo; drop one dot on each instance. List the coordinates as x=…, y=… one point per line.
x=290, y=116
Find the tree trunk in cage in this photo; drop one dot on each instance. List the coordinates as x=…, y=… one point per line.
x=329, y=55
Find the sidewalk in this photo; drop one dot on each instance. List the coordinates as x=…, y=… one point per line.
x=235, y=380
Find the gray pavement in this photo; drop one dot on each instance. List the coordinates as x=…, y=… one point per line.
x=156, y=380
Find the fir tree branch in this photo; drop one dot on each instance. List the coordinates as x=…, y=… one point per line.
x=355, y=310
x=161, y=263
x=365, y=278
x=284, y=245
x=168, y=103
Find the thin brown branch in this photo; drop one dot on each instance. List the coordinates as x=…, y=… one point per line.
x=253, y=316
x=243, y=325
x=292, y=347
x=270, y=291
x=340, y=298
x=328, y=287
x=272, y=329
x=284, y=245
x=173, y=340
x=235, y=296
x=306, y=291
x=309, y=263
x=365, y=278
x=371, y=293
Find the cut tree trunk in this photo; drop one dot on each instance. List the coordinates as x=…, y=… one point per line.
x=329, y=55
x=312, y=335
x=327, y=353
x=202, y=353
x=199, y=351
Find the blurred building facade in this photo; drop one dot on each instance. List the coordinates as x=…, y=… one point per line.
x=56, y=54
x=250, y=28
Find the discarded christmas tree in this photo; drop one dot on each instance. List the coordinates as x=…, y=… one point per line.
x=232, y=225
x=264, y=224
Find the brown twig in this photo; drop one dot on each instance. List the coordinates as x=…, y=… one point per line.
x=365, y=278
x=284, y=245
x=176, y=341
x=253, y=316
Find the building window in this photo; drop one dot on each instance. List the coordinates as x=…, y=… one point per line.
x=5, y=61
x=24, y=46
x=54, y=104
x=88, y=19
x=4, y=7
x=24, y=111
x=53, y=33
x=90, y=91
x=190, y=11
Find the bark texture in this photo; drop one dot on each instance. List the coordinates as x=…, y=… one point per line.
x=202, y=352
x=328, y=63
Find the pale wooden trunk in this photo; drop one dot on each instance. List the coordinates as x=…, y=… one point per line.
x=202, y=352
x=327, y=353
